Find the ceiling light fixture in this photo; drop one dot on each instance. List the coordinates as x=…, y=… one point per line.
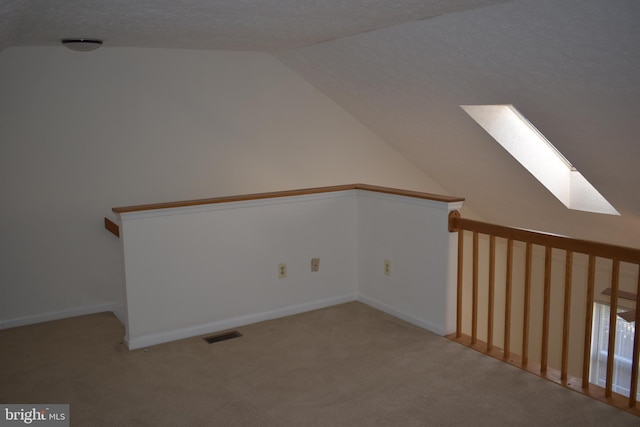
x=82, y=45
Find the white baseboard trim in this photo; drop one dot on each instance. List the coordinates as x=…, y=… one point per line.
x=430, y=326
x=221, y=325
x=234, y=322
x=117, y=309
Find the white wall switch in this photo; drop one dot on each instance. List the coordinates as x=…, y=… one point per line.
x=315, y=264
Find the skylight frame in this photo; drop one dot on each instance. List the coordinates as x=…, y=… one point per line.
x=525, y=143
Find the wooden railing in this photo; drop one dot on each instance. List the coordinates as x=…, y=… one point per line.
x=530, y=241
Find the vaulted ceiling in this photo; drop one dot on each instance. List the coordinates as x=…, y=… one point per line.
x=403, y=68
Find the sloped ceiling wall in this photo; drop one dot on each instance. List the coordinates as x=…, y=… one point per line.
x=571, y=66
x=403, y=68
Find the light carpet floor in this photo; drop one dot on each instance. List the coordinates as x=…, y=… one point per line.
x=347, y=365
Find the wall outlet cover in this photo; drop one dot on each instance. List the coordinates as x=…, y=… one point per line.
x=282, y=270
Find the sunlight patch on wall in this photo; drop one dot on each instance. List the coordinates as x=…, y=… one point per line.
x=530, y=147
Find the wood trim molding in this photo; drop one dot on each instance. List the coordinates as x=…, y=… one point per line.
x=112, y=227
x=289, y=193
x=603, y=250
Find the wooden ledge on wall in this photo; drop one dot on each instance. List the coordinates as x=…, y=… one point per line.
x=288, y=193
x=112, y=227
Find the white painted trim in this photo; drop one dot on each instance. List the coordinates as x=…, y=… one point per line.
x=117, y=309
x=234, y=322
x=241, y=204
x=436, y=329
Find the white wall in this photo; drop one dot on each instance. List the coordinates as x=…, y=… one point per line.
x=413, y=235
x=83, y=132
x=200, y=269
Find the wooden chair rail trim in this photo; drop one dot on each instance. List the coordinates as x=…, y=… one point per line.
x=289, y=193
x=603, y=250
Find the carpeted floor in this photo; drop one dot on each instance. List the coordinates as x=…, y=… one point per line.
x=347, y=365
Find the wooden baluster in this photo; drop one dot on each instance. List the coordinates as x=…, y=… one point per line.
x=615, y=274
x=459, y=290
x=636, y=352
x=545, y=309
x=507, y=300
x=492, y=280
x=593, y=250
x=527, y=299
x=474, y=303
x=588, y=326
x=568, y=278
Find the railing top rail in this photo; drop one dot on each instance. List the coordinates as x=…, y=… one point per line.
x=603, y=250
x=317, y=190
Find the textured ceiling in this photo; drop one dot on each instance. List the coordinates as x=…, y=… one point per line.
x=571, y=66
x=403, y=68
x=210, y=24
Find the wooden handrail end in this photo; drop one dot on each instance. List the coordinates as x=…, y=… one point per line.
x=111, y=227
x=453, y=216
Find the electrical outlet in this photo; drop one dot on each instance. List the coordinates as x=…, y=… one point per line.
x=315, y=264
x=387, y=267
x=282, y=270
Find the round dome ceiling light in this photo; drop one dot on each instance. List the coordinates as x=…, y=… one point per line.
x=82, y=45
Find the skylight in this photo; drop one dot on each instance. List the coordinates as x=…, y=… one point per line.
x=530, y=147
